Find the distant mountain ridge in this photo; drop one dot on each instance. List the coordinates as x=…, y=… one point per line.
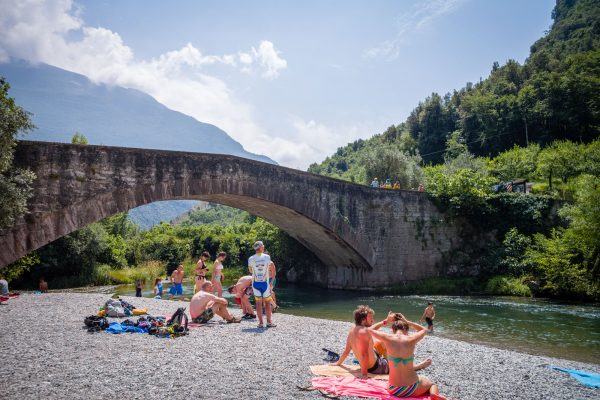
x=64, y=102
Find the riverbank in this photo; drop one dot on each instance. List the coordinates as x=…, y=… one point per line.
x=46, y=353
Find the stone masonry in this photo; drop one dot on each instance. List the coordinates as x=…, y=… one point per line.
x=366, y=238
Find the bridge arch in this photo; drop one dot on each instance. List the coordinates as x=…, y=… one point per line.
x=365, y=237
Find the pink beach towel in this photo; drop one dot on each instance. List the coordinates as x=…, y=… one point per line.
x=351, y=386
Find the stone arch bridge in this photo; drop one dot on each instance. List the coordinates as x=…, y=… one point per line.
x=366, y=238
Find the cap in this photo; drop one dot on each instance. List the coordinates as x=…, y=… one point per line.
x=258, y=245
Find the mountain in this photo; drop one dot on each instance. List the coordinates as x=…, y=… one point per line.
x=64, y=102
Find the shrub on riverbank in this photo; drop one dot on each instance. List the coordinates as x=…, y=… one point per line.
x=146, y=272
x=507, y=286
x=440, y=286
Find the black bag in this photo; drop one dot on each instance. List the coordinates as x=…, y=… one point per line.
x=179, y=321
x=95, y=323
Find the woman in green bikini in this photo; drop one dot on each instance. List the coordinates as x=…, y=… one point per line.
x=403, y=380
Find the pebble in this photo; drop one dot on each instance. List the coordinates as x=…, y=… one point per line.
x=47, y=353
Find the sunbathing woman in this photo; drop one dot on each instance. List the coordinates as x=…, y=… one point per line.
x=404, y=381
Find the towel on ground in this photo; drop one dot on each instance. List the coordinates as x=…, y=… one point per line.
x=351, y=386
x=117, y=327
x=586, y=378
x=342, y=370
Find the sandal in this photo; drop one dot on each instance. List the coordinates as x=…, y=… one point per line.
x=260, y=326
x=271, y=325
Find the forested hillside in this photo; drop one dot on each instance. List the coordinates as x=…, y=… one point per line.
x=539, y=122
x=554, y=95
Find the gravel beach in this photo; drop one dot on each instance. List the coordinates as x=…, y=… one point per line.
x=46, y=353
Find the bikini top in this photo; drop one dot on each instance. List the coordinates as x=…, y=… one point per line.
x=404, y=361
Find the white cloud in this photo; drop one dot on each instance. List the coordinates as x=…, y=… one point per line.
x=309, y=142
x=42, y=31
x=418, y=17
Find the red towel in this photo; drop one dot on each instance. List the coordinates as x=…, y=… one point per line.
x=351, y=386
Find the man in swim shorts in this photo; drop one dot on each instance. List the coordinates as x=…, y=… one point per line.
x=428, y=316
x=176, y=282
x=204, y=305
x=259, y=266
x=241, y=292
x=369, y=353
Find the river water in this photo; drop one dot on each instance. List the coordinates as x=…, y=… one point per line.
x=534, y=326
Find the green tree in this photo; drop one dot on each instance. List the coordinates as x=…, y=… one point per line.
x=15, y=183
x=78, y=138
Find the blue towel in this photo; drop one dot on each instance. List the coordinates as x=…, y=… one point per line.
x=586, y=378
x=116, y=327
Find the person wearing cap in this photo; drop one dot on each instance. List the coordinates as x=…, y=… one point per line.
x=259, y=266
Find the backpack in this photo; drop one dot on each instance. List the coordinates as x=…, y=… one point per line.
x=179, y=322
x=95, y=323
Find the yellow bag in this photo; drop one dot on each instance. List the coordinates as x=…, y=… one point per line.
x=140, y=311
x=102, y=313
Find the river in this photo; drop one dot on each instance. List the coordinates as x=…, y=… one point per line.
x=534, y=326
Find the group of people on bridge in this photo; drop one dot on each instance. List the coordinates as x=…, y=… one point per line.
x=388, y=184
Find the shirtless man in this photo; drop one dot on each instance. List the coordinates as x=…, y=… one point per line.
x=204, y=305
x=176, y=279
x=403, y=380
x=200, y=270
x=241, y=292
x=428, y=316
x=363, y=346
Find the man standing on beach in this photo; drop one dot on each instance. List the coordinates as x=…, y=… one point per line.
x=428, y=316
x=176, y=282
x=259, y=266
x=204, y=305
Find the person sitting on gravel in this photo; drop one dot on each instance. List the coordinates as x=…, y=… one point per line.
x=204, y=305
x=43, y=286
x=370, y=353
x=241, y=292
x=403, y=380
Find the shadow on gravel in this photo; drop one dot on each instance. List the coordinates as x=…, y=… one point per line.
x=254, y=330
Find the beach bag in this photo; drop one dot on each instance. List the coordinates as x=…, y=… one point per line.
x=115, y=309
x=179, y=322
x=95, y=323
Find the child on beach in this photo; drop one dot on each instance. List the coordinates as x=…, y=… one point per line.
x=138, y=288
x=158, y=288
x=428, y=316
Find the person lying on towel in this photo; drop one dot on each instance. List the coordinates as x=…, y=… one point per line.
x=370, y=353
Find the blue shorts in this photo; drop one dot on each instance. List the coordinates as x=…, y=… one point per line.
x=261, y=290
x=176, y=289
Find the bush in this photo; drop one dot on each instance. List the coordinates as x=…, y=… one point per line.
x=507, y=286
x=441, y=286
x=146, y=272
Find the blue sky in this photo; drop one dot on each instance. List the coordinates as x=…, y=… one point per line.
x=292, y=80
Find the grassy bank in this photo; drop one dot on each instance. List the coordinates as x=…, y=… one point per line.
x=496, y=286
